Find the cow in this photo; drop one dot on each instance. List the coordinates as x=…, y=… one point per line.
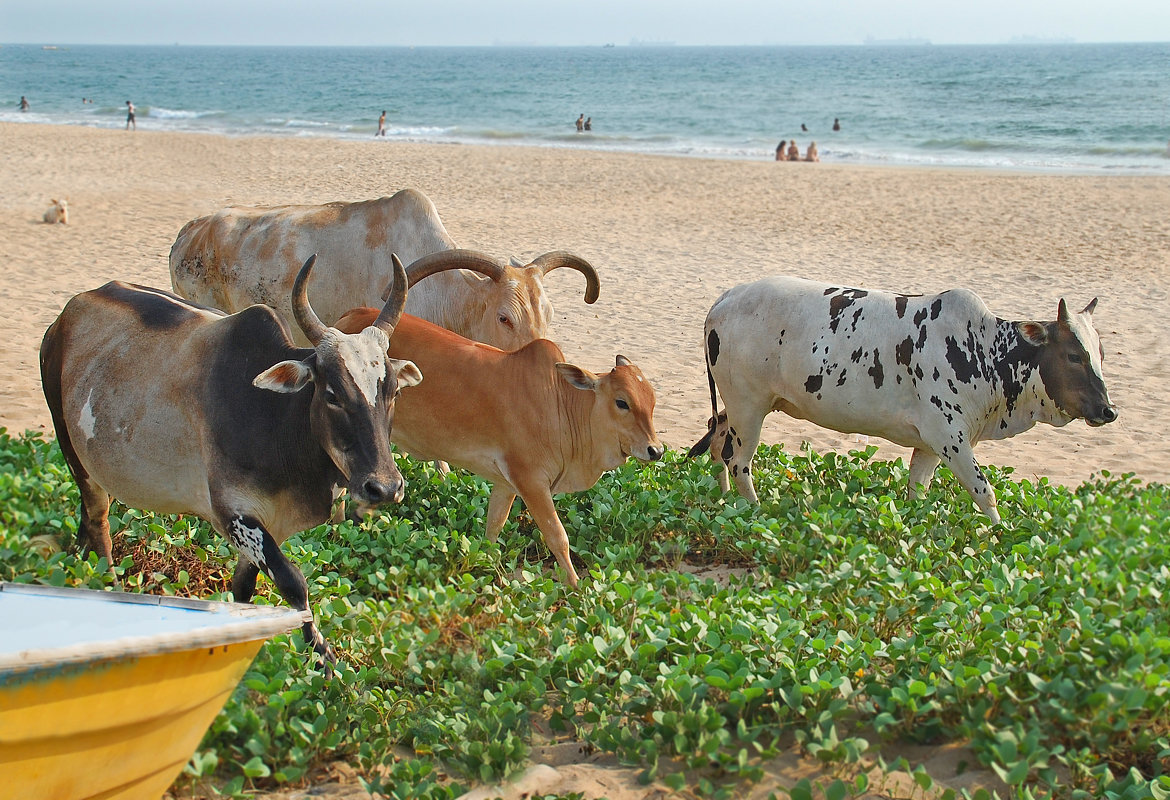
x=527, y=421
x=937, y=373
x=58, y=212
x=241, y=255
x=175, y=407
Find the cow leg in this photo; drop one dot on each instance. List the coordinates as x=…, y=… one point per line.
x=539, y=501
x=94, y=532
x=256, y=545
x=739, y=447
x=244, y=580
x=962, y=462
x=922, y=466
x=499, y=507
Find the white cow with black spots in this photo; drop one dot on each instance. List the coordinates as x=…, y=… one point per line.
x=937, y=373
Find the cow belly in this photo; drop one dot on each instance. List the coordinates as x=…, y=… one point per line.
x=893, y=424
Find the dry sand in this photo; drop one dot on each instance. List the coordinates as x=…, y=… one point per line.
x=667, y=236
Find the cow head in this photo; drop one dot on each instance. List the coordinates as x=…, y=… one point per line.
x=354, y=387
x=511, y=308
x=1070, y=364
x=623, y=414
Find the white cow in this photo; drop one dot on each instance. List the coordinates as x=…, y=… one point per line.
x=243, y=255
x=937, y=373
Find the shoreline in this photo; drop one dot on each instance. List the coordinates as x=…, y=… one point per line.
x=561, y=143
x=667, y=234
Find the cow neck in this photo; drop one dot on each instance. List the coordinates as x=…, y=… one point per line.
x=577, y=453
x=1019, y=392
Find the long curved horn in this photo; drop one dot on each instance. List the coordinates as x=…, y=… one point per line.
x=310, y=324
x=561, y=258
x=392, y=312
x=454, y=259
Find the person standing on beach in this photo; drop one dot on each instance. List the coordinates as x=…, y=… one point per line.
x=581, y=123
x=381, y=125
x=23, y=103
x=130, y=116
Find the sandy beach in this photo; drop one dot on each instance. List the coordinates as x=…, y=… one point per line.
x=667, y=236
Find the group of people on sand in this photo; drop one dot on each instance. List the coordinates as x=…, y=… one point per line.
x=788, y=151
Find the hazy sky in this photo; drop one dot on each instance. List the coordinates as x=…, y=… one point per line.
x=574, y=22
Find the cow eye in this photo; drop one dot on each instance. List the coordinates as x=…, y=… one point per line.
x=505, y=321
x=1074, y=358
x=623, y=405
x=331, y=397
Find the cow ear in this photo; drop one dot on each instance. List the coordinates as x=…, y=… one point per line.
x=406, y=372
x=577, y=377
x=1088, y=310
x=1034, y=333
x=285, y=377
x=622, y=361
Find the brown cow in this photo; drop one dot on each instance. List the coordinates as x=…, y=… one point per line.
x=526, y=421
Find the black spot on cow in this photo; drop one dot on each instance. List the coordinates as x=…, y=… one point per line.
x=921, y=338
x=920, y=316
x=856, y=355
x=712, y=347
x=936, y=374
x=961, y=361
x=876, y=372
x=841, y=379
x=904, y=351
x=830, y=290
x=936, y=308
x=813, y=384
x=936, y=401
x=856, y=319
x=918, y=372
x=840, y=303
x=728, y=448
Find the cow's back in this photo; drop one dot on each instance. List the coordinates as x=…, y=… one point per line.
x=242, y=255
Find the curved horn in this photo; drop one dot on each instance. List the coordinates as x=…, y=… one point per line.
x=561, y=258
x=454, y=259
x=392, y=312
x=310, y=324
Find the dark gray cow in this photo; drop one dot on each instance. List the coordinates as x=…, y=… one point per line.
x=178, y=408
x=937, y=373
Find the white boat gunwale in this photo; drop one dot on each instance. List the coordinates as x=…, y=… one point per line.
x=228, y=624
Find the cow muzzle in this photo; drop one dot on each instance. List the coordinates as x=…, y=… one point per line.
x=1104, y=416
x=377, y=492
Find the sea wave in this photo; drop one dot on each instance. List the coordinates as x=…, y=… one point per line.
x=157, y=112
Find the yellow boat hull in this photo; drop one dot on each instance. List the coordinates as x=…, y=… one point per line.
x=122, y=729
x=106, y=695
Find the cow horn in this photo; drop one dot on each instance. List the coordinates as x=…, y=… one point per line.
x=306, y=318
x=454, y=259
x=560, y=258
x=392, y=312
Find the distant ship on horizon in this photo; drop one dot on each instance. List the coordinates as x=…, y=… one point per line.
x=907, y=41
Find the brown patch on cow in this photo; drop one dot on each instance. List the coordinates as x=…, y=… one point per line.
x=268, y=246
x=377, y=228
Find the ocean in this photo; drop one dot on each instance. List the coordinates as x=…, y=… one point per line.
x=1096, y=108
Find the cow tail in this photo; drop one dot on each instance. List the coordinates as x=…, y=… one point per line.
x=704, y=444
